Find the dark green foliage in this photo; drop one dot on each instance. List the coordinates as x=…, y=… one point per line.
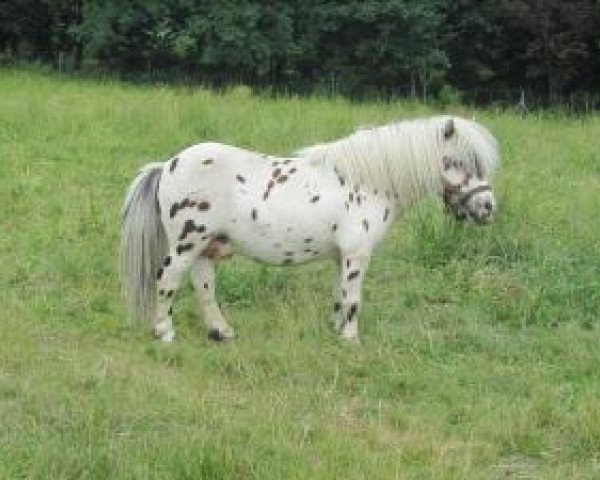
x=356, y=48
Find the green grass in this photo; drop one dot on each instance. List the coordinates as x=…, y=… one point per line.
x=480, y=352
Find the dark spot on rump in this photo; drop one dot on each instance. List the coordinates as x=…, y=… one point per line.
x=170, y=293
x=358, y=199
x=204, y=205
x=375, y=192
x=170, y=312
x=337, y=307
x=222, y=238
x=179, y=206
x=287, y=162
x=240, y=178
x=167, y=261
x=365, y=225
x=292, y=170
x=353, y=275
x=159, y=274
x=173, y=164
x=205, y=286
x=315, y=199
x=308, y=240
x=276, y=172
x=190, y=227
x=275, y=163
x=342, y=181
x=348, y=263
x=351, y=197
x=207, y=161
x=282, y=178
x=352, y=311
x=334, y=227
x=161, y=292
x=254, y=214
x=184, y=248
x=386, y=214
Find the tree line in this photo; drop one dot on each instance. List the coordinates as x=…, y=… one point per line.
x=356, y=48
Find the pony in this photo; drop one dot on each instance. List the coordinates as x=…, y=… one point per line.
x=334, y=200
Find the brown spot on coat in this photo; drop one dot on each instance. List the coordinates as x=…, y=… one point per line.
x=352, y=275
x=365, y=225
x=184, y=248
x=207, y=161
x=190, y=227
x=282, y=179
x=254, y=214
x=276, y=172
x=203, y=205
x=292, y=170
x=386, y=214
x=185, y=203
x=315, y=199
x=240, y=179
x=173, y=164
x=352, y=311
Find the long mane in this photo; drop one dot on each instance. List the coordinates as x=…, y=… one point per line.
x=406, y=157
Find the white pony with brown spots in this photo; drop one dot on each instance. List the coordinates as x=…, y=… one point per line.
x=336, y=200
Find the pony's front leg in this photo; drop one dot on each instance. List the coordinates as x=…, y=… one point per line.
x=203, y=279
x=351, y=275
x=336, y=288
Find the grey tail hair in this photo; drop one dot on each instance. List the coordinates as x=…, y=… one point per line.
x=143, y=243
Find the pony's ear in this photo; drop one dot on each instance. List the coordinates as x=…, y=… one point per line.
x=449, y=128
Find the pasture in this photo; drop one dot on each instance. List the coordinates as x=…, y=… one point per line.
x=480, y=353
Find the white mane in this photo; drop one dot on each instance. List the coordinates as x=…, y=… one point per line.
x=406, y=157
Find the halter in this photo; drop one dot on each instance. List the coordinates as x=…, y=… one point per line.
x=465, y=197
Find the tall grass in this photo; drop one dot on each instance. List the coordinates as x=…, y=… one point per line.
x=480, y=354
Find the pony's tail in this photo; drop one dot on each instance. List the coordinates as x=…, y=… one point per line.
x=143, y=243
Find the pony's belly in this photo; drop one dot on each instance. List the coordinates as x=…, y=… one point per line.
x=290, y=244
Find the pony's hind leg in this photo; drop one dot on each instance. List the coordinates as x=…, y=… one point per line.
x=203, y=279
x=176, y=263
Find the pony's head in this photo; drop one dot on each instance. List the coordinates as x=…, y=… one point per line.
x=468, y=161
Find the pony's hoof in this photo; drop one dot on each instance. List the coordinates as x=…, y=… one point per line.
x=166, y=335
x=218, y=336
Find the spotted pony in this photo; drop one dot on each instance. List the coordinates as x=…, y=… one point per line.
x=335, y=200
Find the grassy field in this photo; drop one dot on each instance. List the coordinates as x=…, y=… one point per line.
x=480, y=355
